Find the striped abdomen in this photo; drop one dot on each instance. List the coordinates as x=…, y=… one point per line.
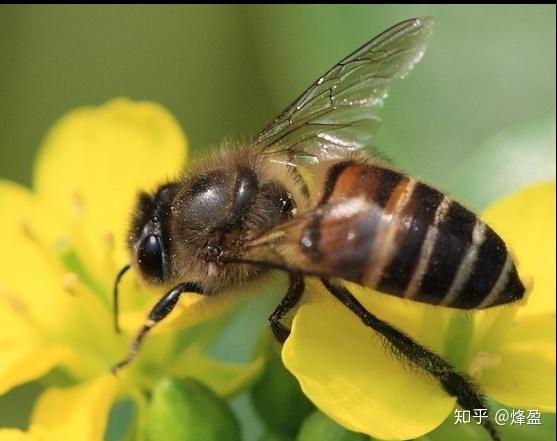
x=381, y=229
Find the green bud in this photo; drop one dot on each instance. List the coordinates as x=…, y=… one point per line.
x=186, y=410
x=319, y=427
x=277, y=396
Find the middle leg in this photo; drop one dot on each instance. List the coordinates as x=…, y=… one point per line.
x=290, y=299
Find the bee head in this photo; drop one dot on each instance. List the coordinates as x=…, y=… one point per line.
x=148, y=239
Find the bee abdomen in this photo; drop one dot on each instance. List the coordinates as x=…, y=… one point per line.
x=413, y=242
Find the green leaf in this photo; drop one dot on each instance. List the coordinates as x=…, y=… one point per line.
x=119, y=419
x=319, y=427
x=277, y=396
x=186, y=410
x=528, y=432
x=272, y=436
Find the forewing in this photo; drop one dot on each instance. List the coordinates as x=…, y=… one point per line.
x=339, y=113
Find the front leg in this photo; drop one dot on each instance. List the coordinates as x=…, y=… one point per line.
x=163, y=307
x=290, y=299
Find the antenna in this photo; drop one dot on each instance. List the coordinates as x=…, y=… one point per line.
x=115, y=295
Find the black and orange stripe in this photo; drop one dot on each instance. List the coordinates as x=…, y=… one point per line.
x=408, y=240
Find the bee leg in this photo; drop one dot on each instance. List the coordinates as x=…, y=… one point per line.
x=408, y=350
x=290, y=299
x=162, y=308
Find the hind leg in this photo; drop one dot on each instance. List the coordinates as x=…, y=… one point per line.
x=405, y=348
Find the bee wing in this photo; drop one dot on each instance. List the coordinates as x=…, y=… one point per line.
x=339, y=113
x=331, y=240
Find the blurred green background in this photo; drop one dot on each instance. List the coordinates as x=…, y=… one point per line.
x=476, y=117
x=227, y=70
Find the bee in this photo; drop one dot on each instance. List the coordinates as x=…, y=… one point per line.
x=250, y=208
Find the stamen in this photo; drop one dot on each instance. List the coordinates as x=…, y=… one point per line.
x=18, y=306
x=48, y=252
x=26, y=230
x=77, y=287
x=109, y=248
x=72, y=263
x=107, y=238
x=77, y=204
x=29, y=234
x=70, y=282
x=13, y=301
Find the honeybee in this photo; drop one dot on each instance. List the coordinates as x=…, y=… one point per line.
x=250, y=208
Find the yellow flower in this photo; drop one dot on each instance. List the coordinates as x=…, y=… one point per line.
x=66, y=242
x=62, y=244
x=510, y=350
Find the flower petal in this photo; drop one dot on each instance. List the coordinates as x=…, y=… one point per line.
x=526, y=220
x=525, y=377
x=22, y=364
x=94, y=161
x=513, y=353
x=34, y=434
x=344, y=369
x=79, y=412
x=30, y=280
x=37, y=309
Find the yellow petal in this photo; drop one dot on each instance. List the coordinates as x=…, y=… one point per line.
x=21, y=364
x=94, y=161
x=344, y=368
x=36, y=306
x=513, y=353
x=526, y=220
x=30, y=278
x=34, y=434
x=525, y=376
x=76, y=413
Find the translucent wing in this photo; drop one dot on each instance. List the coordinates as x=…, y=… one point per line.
x=331, y=240
x=338, y=114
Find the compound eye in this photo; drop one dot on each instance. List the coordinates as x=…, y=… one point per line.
x=150, y=258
